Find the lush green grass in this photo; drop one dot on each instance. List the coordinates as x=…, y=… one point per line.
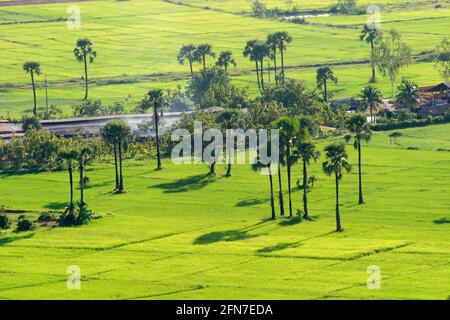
x=140, y=47
x=177, y=234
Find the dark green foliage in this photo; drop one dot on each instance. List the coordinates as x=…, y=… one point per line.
x=80, y=216
x=24, y=224
x=31, y=123
x=5, y=221
x=90, y=108
x=47, y=216
x=412, y=123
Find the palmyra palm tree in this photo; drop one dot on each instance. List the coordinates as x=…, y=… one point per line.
x=227, y=120
x=323, y=75
x=117, y=132
x=84, y=156
x=307, y=152
x=408, y=95
x=70, y=155
x=187, y=52
x=157, y=99
x=283, y=39
x=83, y=52
x=226, y=59
x=257, y=51
x=272, y=44
x=202, y=51
x=369, y=34
x=258, y=165
x=371, y=99
x=360, y=128
x=337, y=162
x=33, y=67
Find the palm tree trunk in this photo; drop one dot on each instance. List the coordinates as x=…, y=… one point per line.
x=257, y=77
x=371, y=113
x=272, y=202
x=305, y=199
x=282, y=65
x=373, y=65
x=275, y=64
x=115, y=165
x=280, y=192
x=228, y=174
x=71, y=187
x=338, y=215
x=262, y=74
x=81, y=170
x=212, y=168
x=361, y=200
x=288, y=167
x=86, y=77
x=204, y=61
x=158, y=152
x=190, y=67
x=34, y=94
x=325, y=93
x=120, y=168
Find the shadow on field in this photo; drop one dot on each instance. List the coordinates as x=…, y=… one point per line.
x=56, y=205
x=286, y=222
x=187, y=184
x=442, y=221
x=229, y=235
x=7, y=240
x=250, y=202
x=278, y=247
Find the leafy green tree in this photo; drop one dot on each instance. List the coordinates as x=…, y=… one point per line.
x=360, y=129
x=261, y=114
x=117, y=133
x=306, y=151
x=157, y=98
x=370, y=34
x=323, y=75
x=225, y=60
x=84, y=52
x=188, y=52
x=336, y=163
x=33, y=67
x=70, y=155
x=371, y=99
x=202, y=51
x=442, y=63
x=390, y=55
x=408, y=95
x=90, y=108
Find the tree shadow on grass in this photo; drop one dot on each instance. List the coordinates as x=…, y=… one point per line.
x=6, y=240
x=196, y=182
x=251, y=202
x=229, y=235
x=442, y=221
x=56, y=205
x=290, y=221
x=279, y=247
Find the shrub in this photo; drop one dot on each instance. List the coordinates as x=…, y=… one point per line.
x=24, y=224
x=81, y=215
x=31, y=123
x=90, y=108
x=5, y=221
x=46, y=216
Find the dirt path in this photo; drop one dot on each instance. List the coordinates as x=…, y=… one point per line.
x=26, y=2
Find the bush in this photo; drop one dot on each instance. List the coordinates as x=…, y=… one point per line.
x=46, y=216
x=31, y=123
x=412, y=123
x=24, y=224
x=5, y=221
x=81, y=215
x=90, y=108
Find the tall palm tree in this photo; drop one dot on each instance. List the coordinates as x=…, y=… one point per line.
x=117, y=132
x=408, y=95
x=226, y=59
x=283, y=39
x=84, y=156
x=337, y=163
x=227, y=120
x=249, y=51
x=187, y=52
x=33, y=67
x=83, y=52
x=371, y=99
x=257, y=165
x=257, y=51
x=289, y=129
x=157, y=99
x=272, y=44
x=360, y=129
x=70, y=155
x=369, y=35
x=307, y=152
x=323, y=75
x=202, y=51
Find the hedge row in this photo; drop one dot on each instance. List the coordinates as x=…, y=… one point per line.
x=412, y=123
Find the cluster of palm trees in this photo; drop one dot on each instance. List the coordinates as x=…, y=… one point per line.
x=296, y=146
x=198, y=54
x=84, y=52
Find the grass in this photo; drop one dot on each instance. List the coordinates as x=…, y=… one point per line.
x=138, y=50
x=177, y=234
